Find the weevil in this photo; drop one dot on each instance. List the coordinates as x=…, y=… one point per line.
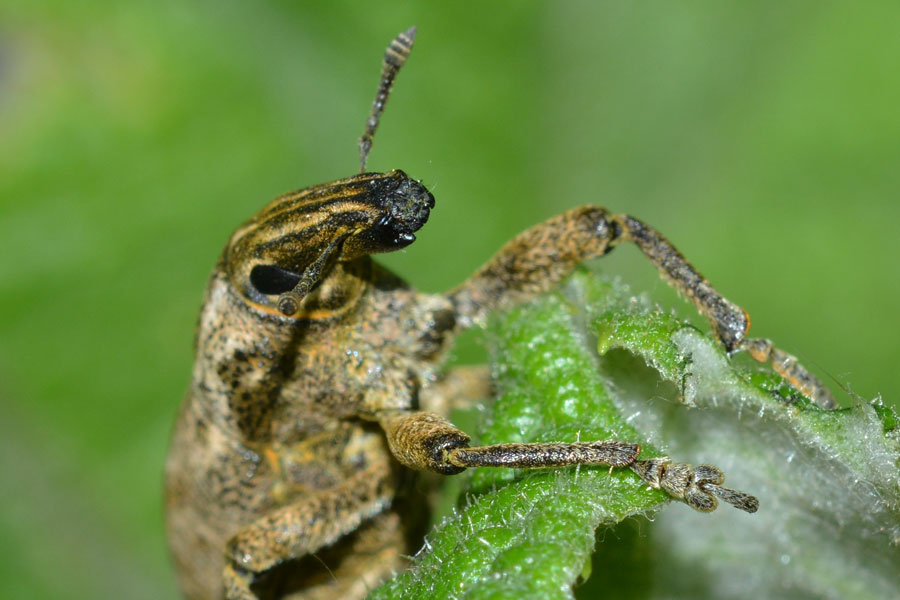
x=317, y=385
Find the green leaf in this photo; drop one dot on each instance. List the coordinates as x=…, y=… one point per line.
x=591, y=362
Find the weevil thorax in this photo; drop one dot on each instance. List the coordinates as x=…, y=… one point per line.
x=295, y=242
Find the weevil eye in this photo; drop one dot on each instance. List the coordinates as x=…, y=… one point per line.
x=272, y=279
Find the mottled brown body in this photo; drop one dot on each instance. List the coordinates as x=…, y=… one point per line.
x=272, y=416
x=317, y=382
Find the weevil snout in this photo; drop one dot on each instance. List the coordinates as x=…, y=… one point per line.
x=405, y=205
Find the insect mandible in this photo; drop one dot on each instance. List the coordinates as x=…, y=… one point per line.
x=317, y=384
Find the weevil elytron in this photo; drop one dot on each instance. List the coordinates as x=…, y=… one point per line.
x=317, y=384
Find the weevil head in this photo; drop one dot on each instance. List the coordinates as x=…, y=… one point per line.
x=294, y=243
x=396, y=207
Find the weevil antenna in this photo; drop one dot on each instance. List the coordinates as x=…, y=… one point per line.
x=289, y=302
x=394, y=58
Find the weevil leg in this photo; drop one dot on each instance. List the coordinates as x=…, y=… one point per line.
x=540, y=257
x=305, y=527
x=428, y=442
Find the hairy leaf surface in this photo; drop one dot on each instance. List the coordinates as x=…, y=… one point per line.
x=829, y=518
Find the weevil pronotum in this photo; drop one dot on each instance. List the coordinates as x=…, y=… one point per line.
x=317, y=386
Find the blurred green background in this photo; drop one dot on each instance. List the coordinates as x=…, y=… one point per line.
x=763, y=138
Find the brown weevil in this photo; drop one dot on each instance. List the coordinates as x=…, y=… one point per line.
x=317, y=384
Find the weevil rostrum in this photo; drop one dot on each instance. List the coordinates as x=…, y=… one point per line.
x=317, y=384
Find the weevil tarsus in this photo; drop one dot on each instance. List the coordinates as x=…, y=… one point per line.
x=698, y=487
